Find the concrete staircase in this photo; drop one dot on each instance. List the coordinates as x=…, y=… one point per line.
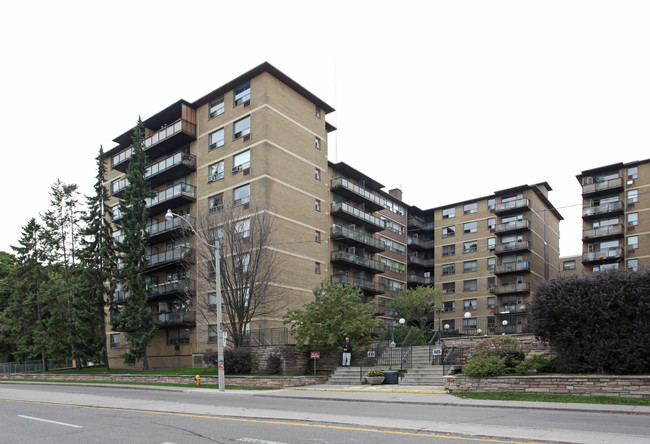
x=421, y=372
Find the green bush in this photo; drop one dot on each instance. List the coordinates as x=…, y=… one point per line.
x=483, y=367
x=541, y=364
x=497, y=342
x=375, y=373
x=274, y=363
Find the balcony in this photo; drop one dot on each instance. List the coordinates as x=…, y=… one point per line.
x=419, y=279
x=514, y=206
x=176, y=319
x=416, y=223
x=366, y=285
x=174, y=257
x=417, y=243
x=167, y=229
x=356, y=216
x=513, y=308
x=512, y=267
x=609, y=255
x=512, y=227
x=357, y=193
x=420, y=262
x=613, y=208
x=175, y=135
x=168, y=290
x=176, y=165
x=602, y=187
x=172, y=197
x=602, y=233
x=356, y=238
x=358, y=262
x=523, y=287
x=512, y=247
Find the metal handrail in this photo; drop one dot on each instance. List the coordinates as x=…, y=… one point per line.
x=372, y=358
x=436, y=338
x=406, y=357
x=455, y=356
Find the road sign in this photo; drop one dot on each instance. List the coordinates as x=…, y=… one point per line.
x=315, y=355
x=437, y=352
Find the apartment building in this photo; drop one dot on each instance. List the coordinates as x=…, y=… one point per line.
x=616, y=216
x=571, y=265
x=489, y=253
x=257, y=143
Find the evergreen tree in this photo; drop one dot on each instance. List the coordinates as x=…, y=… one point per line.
x=99, y=260
x=136, y=317
x=7, y=266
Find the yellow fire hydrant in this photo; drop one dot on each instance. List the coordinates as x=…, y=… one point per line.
x=198, y=380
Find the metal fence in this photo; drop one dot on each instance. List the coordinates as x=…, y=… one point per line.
x=33, y=366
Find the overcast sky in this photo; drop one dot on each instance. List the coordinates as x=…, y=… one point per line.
x=484, y=95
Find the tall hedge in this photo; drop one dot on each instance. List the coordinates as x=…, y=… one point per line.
x=598, y=323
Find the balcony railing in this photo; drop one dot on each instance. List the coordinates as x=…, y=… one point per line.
x=179, y=286
x=364, y=284
x=523, y=287
x=173, y=255
x=513, y=308
x=363, y=238
x=610, y=230
x=420, y=261
x=175, y=159
x=178, y=190
x=419, y=279
x=176, y=318
x=512, y=246
x=511, y=267
x=156, y=228
x=516, y=225
x=425, y=244
x=519, y=204
x=612, y=207
x=611, y=254
x=171, y=130
x=605, y=185
x=369, y=219
x=345, y=184
x=352, y=258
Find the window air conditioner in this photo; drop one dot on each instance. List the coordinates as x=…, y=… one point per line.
x=236, y=169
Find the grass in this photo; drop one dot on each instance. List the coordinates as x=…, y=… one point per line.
x=548, y=397
x=161, y=384
x=209, y=371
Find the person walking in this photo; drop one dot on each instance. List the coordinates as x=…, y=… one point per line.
x=347, y=352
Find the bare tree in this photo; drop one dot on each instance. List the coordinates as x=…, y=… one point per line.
x=249, y=267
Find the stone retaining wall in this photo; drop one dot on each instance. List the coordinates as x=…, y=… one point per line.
x=617, y=386
x=245, y=381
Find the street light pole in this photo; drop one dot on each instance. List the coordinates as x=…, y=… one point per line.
x=217, y=272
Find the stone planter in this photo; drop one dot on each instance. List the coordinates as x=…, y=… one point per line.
x=375, y=380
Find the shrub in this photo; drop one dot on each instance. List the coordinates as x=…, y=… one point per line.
x=377, y=372
x=274, y=363
x=483, y=367
x=542, y=364
x=496, y=342
x=238, y=361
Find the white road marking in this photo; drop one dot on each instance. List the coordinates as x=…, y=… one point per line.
x=259, y=441
x=53, y=422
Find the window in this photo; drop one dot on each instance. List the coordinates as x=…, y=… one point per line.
x=216, y=139
x=317, y=111
x=215, y=203
x=632, y=219
x=216, y=107
x=241, y=262
x=395, y=208
x=491, y=204
x=243, y=93
x=632, y=173
x=632, y=196
x=470, y=266
x=633, y=264
x=470, y=247
x=242, y=127
x=491, y=302
x=215, y=171
x=450, y=306
x=317, y=267
x=212, y=334
x=115, y=340
x=242, y=228
x=491, y=264
x=492, y=223
x=448, y=213
x=512, y=198
x=469, y=323
x=317, y=143
x=317, y=204
x=569, y=265
x=605, y=223
x=448, y=250
x=212, y=299
x=392, y=285
x=394, y=266
x=470, y=208
x=448, y=269
x=491, y=243
x=449, y=288
x=317, y=173
x=470, y=227
x=241, y=161
x=632, y=243
x=470, y=304
x=392, y=226
x=470, y=285
x=242, y=195
x=317, y=236
x=178, y=336
x=448, y=231
x=391, y=245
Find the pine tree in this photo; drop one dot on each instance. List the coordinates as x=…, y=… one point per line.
x=136, y=316
x=99, y=260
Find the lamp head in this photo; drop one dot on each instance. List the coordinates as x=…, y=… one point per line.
x=402, y=321
x=169, y=215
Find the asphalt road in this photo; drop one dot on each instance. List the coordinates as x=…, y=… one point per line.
x=81, y=413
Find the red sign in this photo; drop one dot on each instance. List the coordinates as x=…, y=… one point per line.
x=315, y=355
